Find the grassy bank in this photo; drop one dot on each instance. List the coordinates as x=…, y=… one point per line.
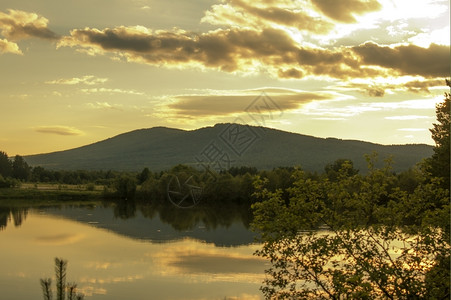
x=58, y=192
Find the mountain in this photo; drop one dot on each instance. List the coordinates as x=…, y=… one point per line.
x=224, y=145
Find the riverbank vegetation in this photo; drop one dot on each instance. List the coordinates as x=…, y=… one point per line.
x=360, y=237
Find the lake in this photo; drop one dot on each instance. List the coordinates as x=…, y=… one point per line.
x=130, y=251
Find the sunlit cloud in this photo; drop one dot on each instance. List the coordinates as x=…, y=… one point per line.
x=111, y=91
x=17, y=25
x=87, y=79
x=9, y=47
x=104, y=105
x=238, y=49
x=59, y=130
x=255, y=14
x=345, y=10
x=407, y=117
x=413, y=129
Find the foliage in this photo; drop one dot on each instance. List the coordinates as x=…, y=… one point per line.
x=8, y=182
x=21, y=170
x=5, y=165
x=12, y=169
x=125, y=187
x=61, y=286
x=357, y=237
x=144, y=175
x=439, y=163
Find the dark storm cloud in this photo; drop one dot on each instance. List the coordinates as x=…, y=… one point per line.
x=18, y=25
x=408, y=60
x=344, y=10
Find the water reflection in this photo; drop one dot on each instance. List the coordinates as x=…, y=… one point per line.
x=124, y=251
x=223, y=225
x=15, y=214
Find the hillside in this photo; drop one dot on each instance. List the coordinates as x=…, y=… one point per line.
x=160, y=148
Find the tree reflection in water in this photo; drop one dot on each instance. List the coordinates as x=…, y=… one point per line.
x=15, y=214
x=207, y=215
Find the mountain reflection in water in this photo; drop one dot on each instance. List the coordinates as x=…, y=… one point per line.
x=126, y=250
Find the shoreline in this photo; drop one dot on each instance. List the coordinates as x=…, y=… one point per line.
x=60, y=194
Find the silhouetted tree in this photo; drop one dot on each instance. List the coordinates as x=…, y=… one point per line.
x=61, y=286
x=5, y=165
x=46, y=288
x=144, y=175
x=21, y=170
x=439, y=163
x=125, y=187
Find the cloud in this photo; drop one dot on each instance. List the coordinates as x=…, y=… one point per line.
x=59, y=130
x=412, y=129
x=228, y=104
x=378, y=89
x=9, y=47
x=111, y=91
x=225, y=49
x=241, y=50
x=407, y=117
x=60, y=239
x=17, y=24
x=344, y=10
x=88, y=80
x=104, y=105
x=407, y=60
x=266, y=14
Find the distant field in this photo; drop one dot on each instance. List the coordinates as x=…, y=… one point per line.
x=49, y=191
x=59, y=187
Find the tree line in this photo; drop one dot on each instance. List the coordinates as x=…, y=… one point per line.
x=233, y=186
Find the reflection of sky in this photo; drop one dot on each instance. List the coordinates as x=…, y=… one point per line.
x=109, y=266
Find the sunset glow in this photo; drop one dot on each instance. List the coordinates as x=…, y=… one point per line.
x=79, y=72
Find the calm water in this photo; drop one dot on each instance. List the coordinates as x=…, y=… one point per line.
x=130, y=252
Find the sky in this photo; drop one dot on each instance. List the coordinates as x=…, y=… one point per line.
x=76, y=72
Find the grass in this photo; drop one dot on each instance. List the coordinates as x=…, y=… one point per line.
x=47, y=191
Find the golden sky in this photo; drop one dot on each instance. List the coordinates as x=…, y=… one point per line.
x=76, y=72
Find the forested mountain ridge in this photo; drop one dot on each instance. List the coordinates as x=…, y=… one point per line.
x=223, y=146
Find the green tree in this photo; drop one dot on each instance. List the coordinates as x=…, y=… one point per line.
x=358, y=237
x=125, y=187
x=5, y=165
x=439, y=163
x=332, y=170
x=20, y=168
x=144, y=175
